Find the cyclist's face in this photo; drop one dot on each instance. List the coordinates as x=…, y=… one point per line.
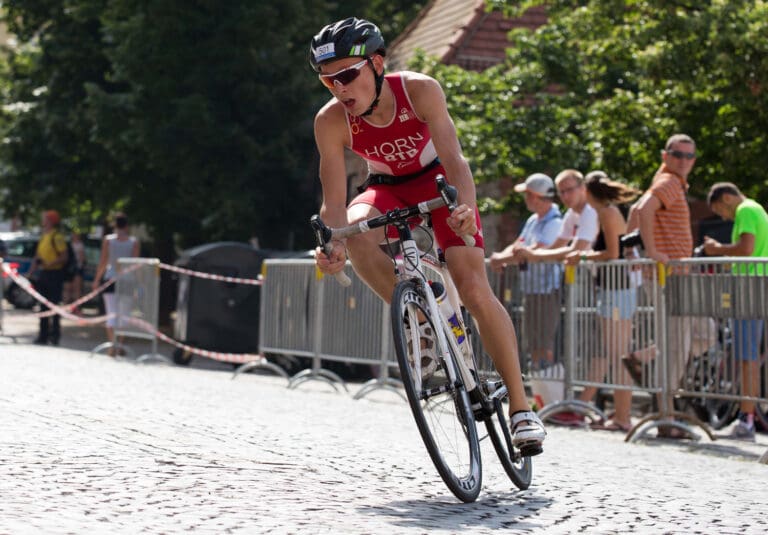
x=357, y=93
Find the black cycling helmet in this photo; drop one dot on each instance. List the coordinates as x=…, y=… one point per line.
x=349, y=38
x=346, y=38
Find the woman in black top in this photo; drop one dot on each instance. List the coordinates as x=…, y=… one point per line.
x=616, y=295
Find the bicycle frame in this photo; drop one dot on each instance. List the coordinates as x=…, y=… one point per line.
x=413, y=266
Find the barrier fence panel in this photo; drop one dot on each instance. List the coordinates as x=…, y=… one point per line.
x=311, y=316
x=720, y=308
x=137, y=298
x=287, y=308
x=610, y=314
x=533, y=296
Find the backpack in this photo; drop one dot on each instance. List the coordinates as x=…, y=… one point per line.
x=70, y=267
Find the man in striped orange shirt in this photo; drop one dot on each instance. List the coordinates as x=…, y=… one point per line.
x=664, y=220
x=664, y=216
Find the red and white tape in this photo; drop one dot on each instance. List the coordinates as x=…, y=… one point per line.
x=237, y=358
x=64, y=312
x=211, y=276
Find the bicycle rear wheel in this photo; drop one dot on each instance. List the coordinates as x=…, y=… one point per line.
x=441, y=408
x=518, y=468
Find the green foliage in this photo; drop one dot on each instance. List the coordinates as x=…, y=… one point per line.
x=195, y=116
x=604, y=84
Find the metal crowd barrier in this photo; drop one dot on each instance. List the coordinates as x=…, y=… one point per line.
x=137, y=298
x=726, y=299
x=306, y=315
x=695, y=300
x=310, y=316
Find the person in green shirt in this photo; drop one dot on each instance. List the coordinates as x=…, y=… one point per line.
x=748, y=238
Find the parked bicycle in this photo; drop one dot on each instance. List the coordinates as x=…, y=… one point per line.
x=436, y=361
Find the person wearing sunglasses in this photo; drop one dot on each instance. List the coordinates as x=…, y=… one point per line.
x=663, y=217
x=400, y=125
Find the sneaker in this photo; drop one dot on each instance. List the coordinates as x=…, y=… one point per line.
x=527, y=432
x=742, y=431
x=427, y=349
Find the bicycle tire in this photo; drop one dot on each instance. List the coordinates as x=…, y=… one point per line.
x=442, y=410
x=518, y=468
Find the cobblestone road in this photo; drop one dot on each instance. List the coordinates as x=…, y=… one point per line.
x=94, y=445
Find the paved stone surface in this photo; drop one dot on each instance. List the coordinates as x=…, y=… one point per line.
x=96, y=445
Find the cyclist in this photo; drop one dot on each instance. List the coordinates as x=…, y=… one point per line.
x=399, y=123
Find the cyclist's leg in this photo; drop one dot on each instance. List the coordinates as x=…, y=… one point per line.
x=370, y=263
x=467, y=267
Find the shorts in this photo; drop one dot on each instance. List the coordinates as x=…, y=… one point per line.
x=385, y=197
x=115, y=306
x=541, y=317
x=616, y=304
x=746, y=339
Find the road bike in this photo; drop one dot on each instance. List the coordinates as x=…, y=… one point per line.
x=446, y=394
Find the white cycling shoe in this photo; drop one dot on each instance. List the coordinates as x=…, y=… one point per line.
x=428, y=351
x=527, y=433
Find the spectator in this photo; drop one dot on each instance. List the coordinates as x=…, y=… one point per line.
x=616, y=296
x=114, y=246
x=663, y=218
x=47, y=271
x=73, y=289
x=579, y=226
x=541, y=285
x=749, y=237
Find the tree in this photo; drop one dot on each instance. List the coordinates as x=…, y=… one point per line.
x=195, y=117
x=214, y=110
x=48, y=157
x=603, y=84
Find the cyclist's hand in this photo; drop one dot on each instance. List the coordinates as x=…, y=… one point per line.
x=462, y=221
x=333, y=262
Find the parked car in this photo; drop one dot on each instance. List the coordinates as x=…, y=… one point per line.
x=20, y=250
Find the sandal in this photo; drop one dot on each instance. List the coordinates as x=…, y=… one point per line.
x=670, y=431
x=611, y=425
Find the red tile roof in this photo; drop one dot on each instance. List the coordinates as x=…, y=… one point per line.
x=460, y=32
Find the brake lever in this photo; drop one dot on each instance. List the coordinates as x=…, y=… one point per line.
x=323, y=235
x=450, y=194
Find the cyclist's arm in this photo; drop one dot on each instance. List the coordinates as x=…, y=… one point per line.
x=430, y=106
x=330, y=136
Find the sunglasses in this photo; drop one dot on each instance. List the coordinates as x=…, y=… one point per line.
x=681, y=154
x=344, y=76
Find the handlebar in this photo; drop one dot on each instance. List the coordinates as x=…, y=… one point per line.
x=324, y=234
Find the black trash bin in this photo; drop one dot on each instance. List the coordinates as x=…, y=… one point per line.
x=217, y=315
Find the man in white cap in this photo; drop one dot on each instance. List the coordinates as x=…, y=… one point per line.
x=541, y=283
x=580, y=224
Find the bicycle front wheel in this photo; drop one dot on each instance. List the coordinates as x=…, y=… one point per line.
x=440, y=407
x=518, y=468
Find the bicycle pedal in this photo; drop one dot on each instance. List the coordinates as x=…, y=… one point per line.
x=529, y=450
